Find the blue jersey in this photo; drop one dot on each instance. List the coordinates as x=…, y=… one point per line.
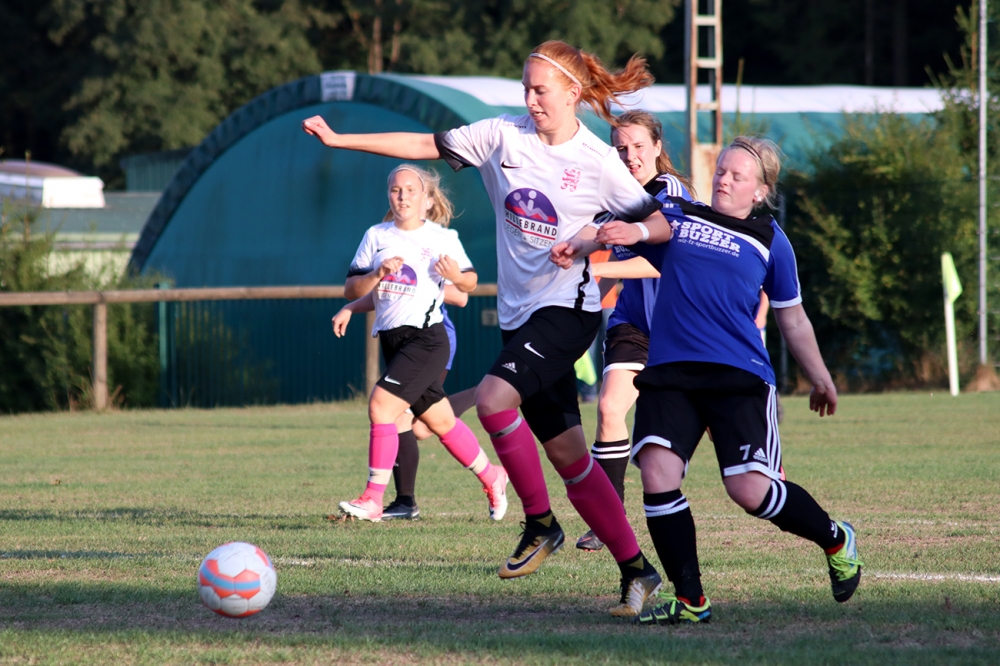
x=635, y=302
x=711, y=274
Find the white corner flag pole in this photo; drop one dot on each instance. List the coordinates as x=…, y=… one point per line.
x=983, y=105
x=952, y=290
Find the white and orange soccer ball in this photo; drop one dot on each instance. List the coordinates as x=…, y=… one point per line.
x=237, y=579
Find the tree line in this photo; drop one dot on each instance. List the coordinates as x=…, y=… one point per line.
x=86, y=82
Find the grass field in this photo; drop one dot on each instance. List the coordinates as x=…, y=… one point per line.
x=105, y=518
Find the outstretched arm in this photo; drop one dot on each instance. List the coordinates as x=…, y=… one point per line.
x=608, y=273
x=630, y=269
x=624, y=233
x=404, y=145
x=798, y=333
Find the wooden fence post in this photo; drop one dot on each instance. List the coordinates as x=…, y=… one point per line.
x=371, y=356
x=99, y=378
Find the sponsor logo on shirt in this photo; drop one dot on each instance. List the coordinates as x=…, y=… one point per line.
x=396, y=285
x=531, y=218
x=701, y=234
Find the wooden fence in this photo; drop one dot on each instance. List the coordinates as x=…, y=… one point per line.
x=101, y=299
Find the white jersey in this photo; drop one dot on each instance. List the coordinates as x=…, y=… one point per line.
x=412, y=296
x=543, y=195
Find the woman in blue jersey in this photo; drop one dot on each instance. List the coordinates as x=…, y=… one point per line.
x=708, y=367
x=547, y=177
x=638, y=137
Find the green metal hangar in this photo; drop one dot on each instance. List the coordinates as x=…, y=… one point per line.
x=259, y=202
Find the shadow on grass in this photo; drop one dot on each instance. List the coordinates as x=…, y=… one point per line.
x=160, y=517
x=538, y=629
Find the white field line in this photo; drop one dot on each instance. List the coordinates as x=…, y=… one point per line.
x=965, y=578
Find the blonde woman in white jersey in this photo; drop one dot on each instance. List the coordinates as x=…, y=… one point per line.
x=404, y=263
x=548, y=176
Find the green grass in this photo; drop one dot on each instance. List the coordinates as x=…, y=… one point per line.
x=104, y=519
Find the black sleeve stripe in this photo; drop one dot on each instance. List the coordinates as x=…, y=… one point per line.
x=640, y=213
x=469, y=270
x=357, y=271
x=450, y=158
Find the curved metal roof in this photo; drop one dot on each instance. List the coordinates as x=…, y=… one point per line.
x=437, y=107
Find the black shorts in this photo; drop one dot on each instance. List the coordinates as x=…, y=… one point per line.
x=677, y=401
x=414, y=360
x=625, y=348
x=537, y=360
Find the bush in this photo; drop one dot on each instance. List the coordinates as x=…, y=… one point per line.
x=869, y=224
x=45, y=351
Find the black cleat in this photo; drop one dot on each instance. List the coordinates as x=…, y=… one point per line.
x=398, y=511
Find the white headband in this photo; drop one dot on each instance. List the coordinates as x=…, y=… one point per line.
x=411, y=169
x=559, y=67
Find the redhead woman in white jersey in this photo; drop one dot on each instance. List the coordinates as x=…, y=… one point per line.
x=548, y=176
x=708, y=368
x=405, y=262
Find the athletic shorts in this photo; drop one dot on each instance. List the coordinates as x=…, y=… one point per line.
x=537, y=360
x=414, y=360
x=625, y=348
x=677, y=401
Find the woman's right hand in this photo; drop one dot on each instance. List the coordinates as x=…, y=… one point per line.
x=318, y=128
x=340, y=321
x=389, y=266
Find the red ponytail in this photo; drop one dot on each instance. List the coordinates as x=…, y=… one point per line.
x=599, y=87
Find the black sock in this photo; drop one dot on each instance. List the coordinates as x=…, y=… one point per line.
x=545, y=520
x=613, y=459
x=794, y=510
x=404, y=472
x=671, y=527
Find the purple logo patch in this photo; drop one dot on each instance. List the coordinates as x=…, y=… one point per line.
x=531, y=217
x=402, y=282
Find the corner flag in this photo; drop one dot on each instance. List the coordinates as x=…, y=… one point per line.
x=952, y=290
x=952, y=287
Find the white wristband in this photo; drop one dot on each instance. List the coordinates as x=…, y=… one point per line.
x=644, y=230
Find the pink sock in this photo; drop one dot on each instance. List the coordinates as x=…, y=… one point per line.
x=383, y=445
x=516, y=448
x=464, y=446
x=594, y=498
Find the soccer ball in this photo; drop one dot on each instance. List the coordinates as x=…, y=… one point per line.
x=236, y=579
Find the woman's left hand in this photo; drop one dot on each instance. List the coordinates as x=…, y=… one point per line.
x=447, y=268
x=823, y=400
x=340, y=321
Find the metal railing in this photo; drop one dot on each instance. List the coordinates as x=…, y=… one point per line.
x=101, y=299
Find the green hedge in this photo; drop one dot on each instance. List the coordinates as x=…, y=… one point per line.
x=45, y=351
